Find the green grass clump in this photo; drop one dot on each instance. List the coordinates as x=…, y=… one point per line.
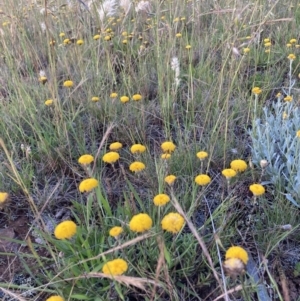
x=83, y=78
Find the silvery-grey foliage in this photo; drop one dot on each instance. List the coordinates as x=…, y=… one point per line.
x=274, y=138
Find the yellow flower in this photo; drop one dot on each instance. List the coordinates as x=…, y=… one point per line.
x=55, y=298
x=267, y=51
x=237, y=252
x=140, y=222
x=111, y=157
x=115, y=267
x=137, y=166
x=95, y=98
x=246, y=50
x=49, y=102
x=267, y=40
x=172, y=222
x=297, y=134
x=65, y=229
x=288, y=98
x=291, y=56
x=293, y=41
x=170, y=179
x=3, y=197
x=256, y=90
x=86, y=159
x=115, y=146
x=96, y=37
x=202, y=180
x=107, y=38
x=62, y=34
x=88, y=185
x=268, y=44
x=113, y=95
x=228, y=173
x=238, y=165
x=202, y=155
x=166, y=156
x=79, y=42
x=161, y=199
x=125, y=41
x=43, y=79
x=188, y=47
x=136, y=97
x=68, y=84
x=67, y=41
x=168, y=147
x=288, y=45
x=137, y=148
x=278, y=95
x=178, y=35
x=257, y=189
x=124, y=99
x=115, y=231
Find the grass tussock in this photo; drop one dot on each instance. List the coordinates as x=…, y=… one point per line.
x=136, y=160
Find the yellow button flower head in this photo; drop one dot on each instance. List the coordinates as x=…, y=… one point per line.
x=115, y=231
x=170, y=179
x=137, y=166
x=256, y=90
x=113, y=95
x=49, y=102
x=55, y=298
x=115, y=267
x=43, y=79
x=88, y=185
x=267, y=40
x=268, y=44
x=178, y=35
x=124, y=99
x=228, y=173
x=172, y=222
x=291, y=56
x=166, y=156
x=115, y=146
x=67, y=41
x=140, y=222
x=62, y=34
x=68, y=84
x=246, y=50
x=111, y=157
x=237, y=252
x=202, y=180
x=65, y=229
x=238, y=165
x=79, y=42
x=297, y=134
x=288, y=98
x=288, y=45
x=168, y=147
x=202, y=155
x=137, y=148
x=137, y=97
x=293, y=41
x=188, y=47
x=3, y=197
x=96, y=37
x=161, y=199
x=257, y=189
x=107, y=38
x=95, y=99
x=86, y=159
